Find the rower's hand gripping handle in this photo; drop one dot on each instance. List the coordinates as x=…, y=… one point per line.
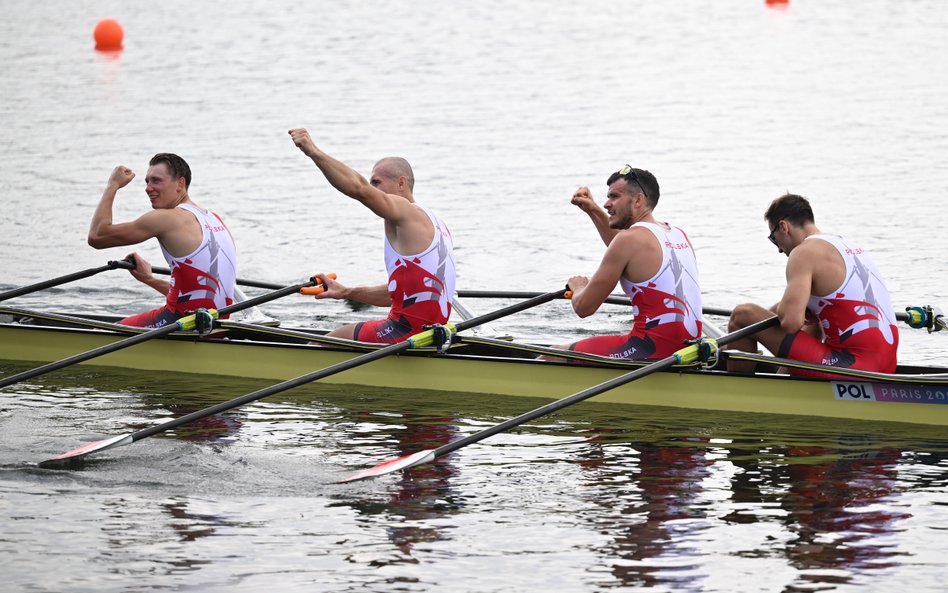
x=319, y=288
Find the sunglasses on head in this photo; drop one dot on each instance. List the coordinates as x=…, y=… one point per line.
x=628, y=173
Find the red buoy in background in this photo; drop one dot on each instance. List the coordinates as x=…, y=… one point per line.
x=108, y=35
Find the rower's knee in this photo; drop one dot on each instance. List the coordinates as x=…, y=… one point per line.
x=741, y=317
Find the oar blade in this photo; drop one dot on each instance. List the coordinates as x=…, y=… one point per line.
x=78, y=453
x=392, y=465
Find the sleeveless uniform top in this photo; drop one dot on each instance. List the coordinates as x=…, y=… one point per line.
x=422, y=285
x=207, y=276
x=668, y=304
x=859, y=314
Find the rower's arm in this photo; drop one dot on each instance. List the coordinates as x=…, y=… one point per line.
x=792, y=307
x=142, y=272
x=348, y=181
x=103, y=233
x=370, y=295
x=588, y=297
x=601, y=221
x=583, y=199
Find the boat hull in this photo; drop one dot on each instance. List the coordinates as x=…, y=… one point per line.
x=709, y=390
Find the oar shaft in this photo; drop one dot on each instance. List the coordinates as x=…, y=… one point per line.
x=332, y=370
x=612, y=300
x=272, y=390
x=265, y=298
x=424, y=338
x=557, y=405
x=155, y=333
x=428, y=455
x=594, y=390
x=514, y=294
x=76, y=359
x=65, y=279
x=538, y=299
x=240, y=281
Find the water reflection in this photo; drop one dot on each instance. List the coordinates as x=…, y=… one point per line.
x=826, y=501
x=160, y=533
x=420, y=496
x=223, y=428
x=840, y=501
x=659, y=507
x=842, y=509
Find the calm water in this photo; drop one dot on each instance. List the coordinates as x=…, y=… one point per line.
x=503, y=109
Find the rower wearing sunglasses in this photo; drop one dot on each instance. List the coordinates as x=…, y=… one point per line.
x=652, y=261
x=835, y=310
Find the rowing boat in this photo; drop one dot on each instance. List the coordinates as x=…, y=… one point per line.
x=477, y=366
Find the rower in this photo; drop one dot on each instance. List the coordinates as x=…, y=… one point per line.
x=835, y=310
x=419, y=251
x=654, y=263
x=196, y=243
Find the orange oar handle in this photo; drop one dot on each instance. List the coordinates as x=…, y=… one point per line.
x=568, y=294
x=319, y=288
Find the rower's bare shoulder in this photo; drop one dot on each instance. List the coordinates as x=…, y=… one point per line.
x=815, y=250
x=634, y=233
x=635, y=236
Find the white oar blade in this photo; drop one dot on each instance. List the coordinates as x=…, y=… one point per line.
x=393, y=465
x=84, y=450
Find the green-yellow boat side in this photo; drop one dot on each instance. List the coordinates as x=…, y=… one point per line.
x=708, y=390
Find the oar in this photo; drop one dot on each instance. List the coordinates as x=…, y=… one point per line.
x=514, y=294
x=466, y=313
x=615, y=299
x=112, y=265
x=927, y=317
x=240, y=281
x=687, y=354
x=185, y=323
x=421, y=339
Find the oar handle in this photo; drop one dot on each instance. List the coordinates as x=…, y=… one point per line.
x=318, y=289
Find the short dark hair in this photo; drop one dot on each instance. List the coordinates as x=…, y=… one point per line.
x=790, y=207
x=176, y=165
x=641, y=179
x=396, y=167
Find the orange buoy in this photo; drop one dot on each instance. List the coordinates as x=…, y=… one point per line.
x=108, y=35
x=778, y=1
